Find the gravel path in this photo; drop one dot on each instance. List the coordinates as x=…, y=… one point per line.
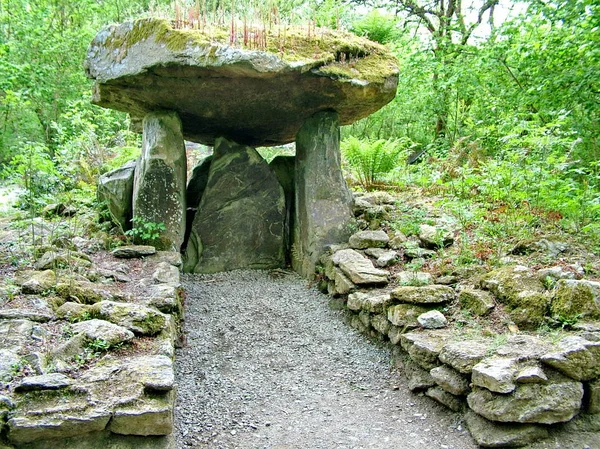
x=268, y=364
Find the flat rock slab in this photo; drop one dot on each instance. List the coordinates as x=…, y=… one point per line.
x=133, y=251
x=255, y=97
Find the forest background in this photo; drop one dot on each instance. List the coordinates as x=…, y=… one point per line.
x=497, y=113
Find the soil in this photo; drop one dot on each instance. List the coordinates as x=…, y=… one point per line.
x=267, y=363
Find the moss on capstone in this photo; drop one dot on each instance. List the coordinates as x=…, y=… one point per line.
x=335, y=53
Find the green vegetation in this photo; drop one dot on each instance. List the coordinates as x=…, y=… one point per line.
x=145, y=232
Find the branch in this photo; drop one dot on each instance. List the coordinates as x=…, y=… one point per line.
x=489, y=4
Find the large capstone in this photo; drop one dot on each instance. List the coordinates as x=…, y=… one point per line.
x=254, y=97
x=323, y=202
x=160, y=179
x=240, y=220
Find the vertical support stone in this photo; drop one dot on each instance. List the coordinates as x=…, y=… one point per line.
x=160, y=178
x=323, y=202
x=240, y=220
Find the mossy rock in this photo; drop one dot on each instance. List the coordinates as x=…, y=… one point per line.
x=254, y=96
x=507, y=283
x=529, y=309
x=576, y=299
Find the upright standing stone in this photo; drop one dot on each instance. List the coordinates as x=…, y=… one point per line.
x=160, y=178
x=116, y=189
x=240, y=220
x=284, y=167
x=323, y=201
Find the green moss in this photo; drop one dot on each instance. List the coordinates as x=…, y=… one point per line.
x=337, y=53
x=574, y=299
x=530, y=310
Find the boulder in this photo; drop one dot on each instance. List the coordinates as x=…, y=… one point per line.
x=358, y=268
x=507, y=283
x=73, y=311
x=434, y=319
x=53, y=381
x=425, y=295
x=133, y=251
x=137, y=318
x=284, y=168
x=496, y=374
x=341, y=284
x=575, y=357
x=197, y=183
x=165, y=273
x=373, y=302
x=443, y=397
x=529, y=309
x=435, y=238
x=424, y=347
x=574, y=299
x=405, y=315
x=478, y=302
x=147, y=416
x=162, y=167
x=450, y=380
x=84, y=292
x=240, y=220
x=323, y=203
x=398, y=240
x=557, y=401
x=39, y=282
x=464, y=355
x=115, y=189
x=96, y=329
x=368, y=239
x=260, y=97
x=491, y=434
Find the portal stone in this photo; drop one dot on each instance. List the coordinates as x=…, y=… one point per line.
x=284, y=167
x=323, y=202
x=115, y=188
x=160, y=179
x=240, y=220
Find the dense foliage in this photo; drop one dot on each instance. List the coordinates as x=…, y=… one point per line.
x=504, y=119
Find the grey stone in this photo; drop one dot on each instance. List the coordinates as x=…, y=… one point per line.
x=342, y=285
x=397, y=241
x=478, y=302
x=103, y=330
x=418, y=378
x=523, y=347
x=507, y=283
x=557, y=272
x=443, y=397
x=39, y=282
x=259, y=97
x=162, y=167
x=575, y=357
x=170, y=257
x=359, y=269
x=434, y=319
x=387, y=259
x=165, y=298
x=55, y=259
x=240, y=221
x=137, y=318
x=531, y=374
x=368, y=239
x=9, y=362
x=375, y=252
x=491, y=434
x=84, y=291
x=557, y=401
x=450, y=380
x=133, y=251
x=576, y=299
x=496, y=374
x=413, y=251
x=365, y=317
x=323, y=203
x=413, y=278
x=552, y=248
x=52, y=381
x=424, y=347
x=424, y=295
x=405, y=315
x=434, y=238
x=464, y=355
x=39, y=316
x=147, y=416
x=594, y=396
x=14, y=334
x=72, y=310
x=380, y=323
x=395, y=333
x=166, y=273
x=373, y=302
x=378, y=198
x=197, y=182
x=115, y=189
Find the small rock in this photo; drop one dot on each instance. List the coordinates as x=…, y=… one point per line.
x=368, y=239
x=428, y=294
x=433, y=319
x=531, y=374
x=52, y=381
x=464, y=355
x=490, y=434
x=387, y=259
x=435, y=238
x=341, y=284
x=375, y=252
x=378, y=198
x=133, y=251
x=166, y=273
x=594, y=399
x=575, y=299
x=413, y=251
x=73, y=311
x=137, y=318
x=405, y=315
x=418, y=378
x=358, y=268
x=556, y=273
x=496, y=374
x=450, y=380
x=84, y=292
x=478, y=302
x=444, y=398
x=370, y=302
x=424, y=347
x=575, y=357
x=41, y=316
x=446, y=280
x=103, y=330
x=380, y=323
x=39, y=282
x=397, y=241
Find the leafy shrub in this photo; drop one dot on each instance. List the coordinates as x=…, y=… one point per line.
x=377, y=27
x=145, y=231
